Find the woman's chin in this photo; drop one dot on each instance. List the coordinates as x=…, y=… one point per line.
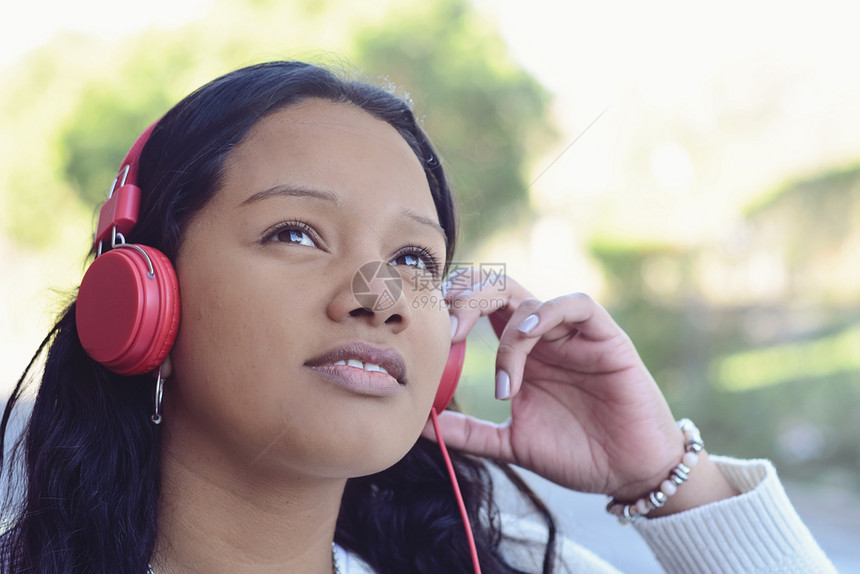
x=344, y=460
x=370, y=463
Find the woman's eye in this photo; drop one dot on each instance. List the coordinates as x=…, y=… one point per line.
x=411, y=260
x=417, y=258
x=291, y=233
x=295, y=236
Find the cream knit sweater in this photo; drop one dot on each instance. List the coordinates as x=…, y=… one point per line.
x=755, y=532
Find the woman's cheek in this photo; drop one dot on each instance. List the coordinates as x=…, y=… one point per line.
x=432, y=317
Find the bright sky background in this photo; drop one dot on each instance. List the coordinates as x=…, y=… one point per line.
x=698, y=62
x=28, y=24
x=704, y=106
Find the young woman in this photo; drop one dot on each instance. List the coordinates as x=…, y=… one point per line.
x=294, y=432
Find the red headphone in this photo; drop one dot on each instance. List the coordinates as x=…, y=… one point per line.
x=128, y=303
x=127, y=310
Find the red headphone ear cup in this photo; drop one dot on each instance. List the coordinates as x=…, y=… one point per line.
x=450, y=376
x=128, y=317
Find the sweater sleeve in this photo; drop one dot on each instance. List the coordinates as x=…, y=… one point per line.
x=757, y=531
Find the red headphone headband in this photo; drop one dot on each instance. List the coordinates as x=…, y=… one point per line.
x=122, y=207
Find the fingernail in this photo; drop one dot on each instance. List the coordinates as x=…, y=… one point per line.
x=454, y=323
x=528, y=324
x=503, y=385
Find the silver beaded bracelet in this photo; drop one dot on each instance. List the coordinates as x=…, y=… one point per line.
x=628, y=513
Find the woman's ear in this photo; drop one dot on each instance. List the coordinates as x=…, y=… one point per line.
x=166, y=368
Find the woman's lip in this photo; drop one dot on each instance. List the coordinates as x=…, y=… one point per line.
x=385, y=357
x=358, y=380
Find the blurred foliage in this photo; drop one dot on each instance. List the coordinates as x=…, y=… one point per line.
x=90, y=99
x=820, y=252
x=775, y=377
x=485, y=113
x=834, y=197
x=476, y=390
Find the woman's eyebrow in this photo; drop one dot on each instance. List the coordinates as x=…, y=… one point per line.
x=425, y=221
x=331, y=197
x=291, y=191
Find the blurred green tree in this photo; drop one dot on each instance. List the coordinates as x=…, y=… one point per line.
x=486, y=114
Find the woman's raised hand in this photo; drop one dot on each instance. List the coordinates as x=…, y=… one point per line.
x=585, y=411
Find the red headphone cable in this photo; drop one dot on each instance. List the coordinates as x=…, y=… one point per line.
x=469, y=536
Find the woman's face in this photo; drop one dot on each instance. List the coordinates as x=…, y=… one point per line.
x=270, y=320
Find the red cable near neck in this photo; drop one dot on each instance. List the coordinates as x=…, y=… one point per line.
x=469, y=536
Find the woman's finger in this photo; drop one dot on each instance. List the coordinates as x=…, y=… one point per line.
x=472, y=435
x=513, y=351
x=495, y=296
x=555, y=318
x=558, y=319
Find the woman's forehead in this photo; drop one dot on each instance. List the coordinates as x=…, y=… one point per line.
x=331, y=147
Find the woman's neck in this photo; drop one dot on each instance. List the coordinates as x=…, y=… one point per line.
x=215, y=517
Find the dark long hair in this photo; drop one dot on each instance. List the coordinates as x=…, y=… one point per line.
x=88, y=458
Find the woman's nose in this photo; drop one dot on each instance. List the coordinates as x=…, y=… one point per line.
x=374, y=292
